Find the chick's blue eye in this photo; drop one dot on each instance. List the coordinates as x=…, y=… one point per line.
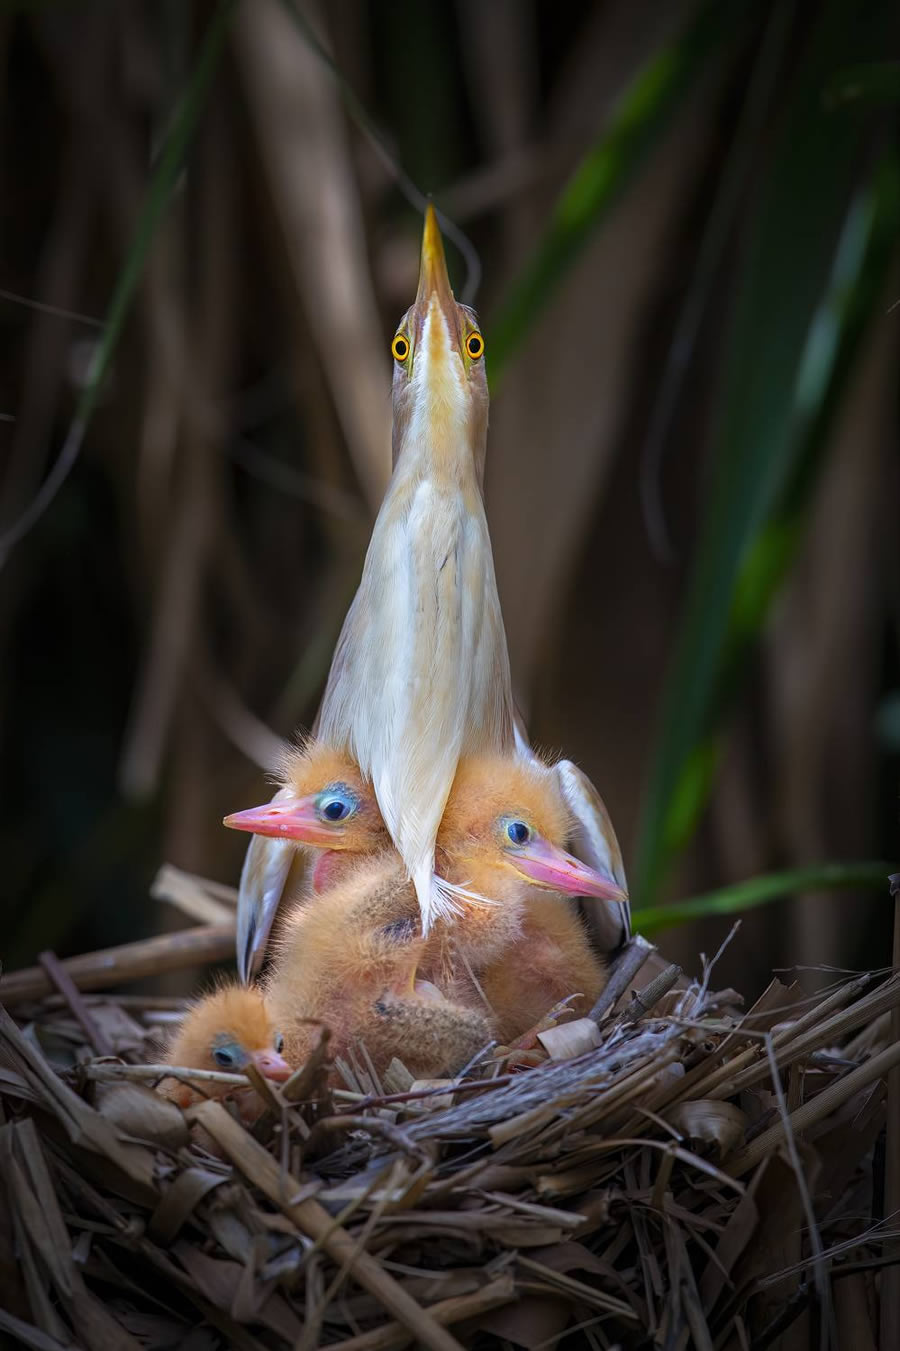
x=228, y=1057
x=518, y=832
x=336, y=804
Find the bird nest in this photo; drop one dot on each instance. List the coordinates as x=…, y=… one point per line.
x=702, y=1175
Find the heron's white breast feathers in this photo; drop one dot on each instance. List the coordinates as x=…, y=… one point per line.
x=408, y=698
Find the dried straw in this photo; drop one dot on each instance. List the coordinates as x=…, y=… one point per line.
x=701, y=1177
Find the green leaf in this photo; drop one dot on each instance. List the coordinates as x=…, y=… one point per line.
x=756, y=891
x=810, y=284
x=162, y=184
x=838, y=328
x=643, y=115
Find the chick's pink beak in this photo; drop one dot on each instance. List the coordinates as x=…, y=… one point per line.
x=272, y=1066
x=550, y=867
x=288, y=819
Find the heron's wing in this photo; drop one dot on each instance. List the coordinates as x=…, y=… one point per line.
x=263, y=879
x=594, y=841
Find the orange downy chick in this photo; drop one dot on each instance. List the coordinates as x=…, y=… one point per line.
x=551, y=960
x=351, y=960
x=500, y=841
x=502, y=831
x=502, y=837
x=327, y=804
x=226, y=1030
x=325, y=815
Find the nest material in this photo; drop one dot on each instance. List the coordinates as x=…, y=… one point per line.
x=701, y=1177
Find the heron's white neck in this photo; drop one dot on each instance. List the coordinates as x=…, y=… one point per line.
x=436, y=439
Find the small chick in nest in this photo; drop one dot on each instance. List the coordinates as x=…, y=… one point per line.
x=350, y=961
x=324, y=807
x=549, y=961
x=324, y=818
x=501, y=837
x=499, y=846
x=226, y=1030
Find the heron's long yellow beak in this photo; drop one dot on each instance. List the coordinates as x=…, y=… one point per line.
x=434, y=283
x=433, y=278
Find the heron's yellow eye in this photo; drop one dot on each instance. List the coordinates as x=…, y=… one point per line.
x=475, y=345
x=400, y=347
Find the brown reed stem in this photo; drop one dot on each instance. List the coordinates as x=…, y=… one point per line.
x=393, y=1336
x=131, y=961
x=626, y=967
x=72, y=995
x=313, y=1219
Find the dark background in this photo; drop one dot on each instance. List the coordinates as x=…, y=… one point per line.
x=687, y=222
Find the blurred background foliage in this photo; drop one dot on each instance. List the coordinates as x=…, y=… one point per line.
x=687, y=220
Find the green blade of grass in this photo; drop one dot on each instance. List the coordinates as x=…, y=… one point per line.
x=816, y=265
x=763, y=890
x=839, y=327
x=165, y=176
x=643, y=115
x=853, y=300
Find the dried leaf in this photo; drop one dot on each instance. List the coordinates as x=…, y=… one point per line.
x=533, y=1321
x=569, y=1040
x=139, y=1112
x=220, y=1282
x=123, y=1033
x=83, y=1125
x=179, y=1200
x=709, y=1121
x=397, y=1078
x=28, y=1335
x=439, y=1101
